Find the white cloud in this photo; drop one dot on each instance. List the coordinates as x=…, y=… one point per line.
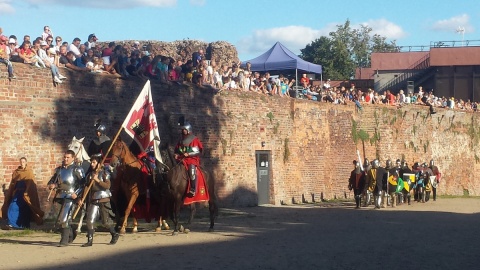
x=197, y=2
x=6, y=7
x=117, y=4
x=385, y=28
x=453, y=23
x=293, y=37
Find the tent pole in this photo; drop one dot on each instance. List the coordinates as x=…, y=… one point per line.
x=321, y=80
x=296, y=78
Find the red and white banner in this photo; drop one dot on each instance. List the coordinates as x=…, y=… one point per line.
x=141, y=123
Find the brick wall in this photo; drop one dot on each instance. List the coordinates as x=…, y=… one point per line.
x=38, y=120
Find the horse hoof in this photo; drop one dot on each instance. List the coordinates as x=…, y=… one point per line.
x=135, y=230
x=174, y=233
x=122, y=231
x=211, y=230
x=158, y=229
x=181, y=228
x=186, y=230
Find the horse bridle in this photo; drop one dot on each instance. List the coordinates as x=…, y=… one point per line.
x=121, y=152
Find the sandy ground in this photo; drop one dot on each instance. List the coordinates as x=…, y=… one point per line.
x=435, y=235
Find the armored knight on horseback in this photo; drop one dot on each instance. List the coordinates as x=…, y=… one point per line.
x=188, y=151
x=68, y=180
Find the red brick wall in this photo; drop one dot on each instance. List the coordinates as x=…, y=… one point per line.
x=38, y=120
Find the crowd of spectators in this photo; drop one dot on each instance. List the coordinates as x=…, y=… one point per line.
x=50, y=51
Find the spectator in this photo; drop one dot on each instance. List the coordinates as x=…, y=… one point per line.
x=142, y=70
x=4, y=57
x=27, y=54
x=304, y=80
x=66, y=59
x=36, y=49
x=91, y=41
x=327, y=84
x=197, y=58
x=187, y=70
x=136, y=48
x=46, y=32
x=58, y=43
x=82, y=49
x=74, y=47
x=106, y=55
x=42, y=53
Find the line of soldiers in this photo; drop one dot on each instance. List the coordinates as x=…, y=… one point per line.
x=393, y=184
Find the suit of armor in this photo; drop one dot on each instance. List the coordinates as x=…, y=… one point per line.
x=98, y=201
x=357, y=183
x=69, y=180
x=188, y=151
x=376, y=182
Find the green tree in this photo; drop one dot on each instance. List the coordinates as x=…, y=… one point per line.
x=346, y=49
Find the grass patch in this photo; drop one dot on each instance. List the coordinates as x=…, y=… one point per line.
x=17, y=233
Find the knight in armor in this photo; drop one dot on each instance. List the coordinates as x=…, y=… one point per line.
x=398, y=168
x=98, y=200
x=376, y=181
x=188, y=151
x=406, y=195
x=366, y=194
x=357, y=182
x=422, y=178
x=100, y=144
x=386, y=192
x=69, y=181
x=427, y=173
x=438, y=175
x=393, y=175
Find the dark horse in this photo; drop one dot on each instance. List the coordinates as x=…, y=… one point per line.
x=177, y=178
x=131, y=182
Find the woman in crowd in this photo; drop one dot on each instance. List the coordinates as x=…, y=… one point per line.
x=21, y=199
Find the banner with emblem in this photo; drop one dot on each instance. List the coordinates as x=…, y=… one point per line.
x=141, y=122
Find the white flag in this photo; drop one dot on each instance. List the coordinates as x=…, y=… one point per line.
x=141, y=123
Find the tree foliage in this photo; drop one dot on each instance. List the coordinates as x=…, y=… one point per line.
x=346, y=49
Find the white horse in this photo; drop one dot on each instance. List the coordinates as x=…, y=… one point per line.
x=82, y=158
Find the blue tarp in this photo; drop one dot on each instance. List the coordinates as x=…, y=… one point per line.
x=281, y=58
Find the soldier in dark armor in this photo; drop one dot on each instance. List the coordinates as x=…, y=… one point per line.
x=438, y=176
x=69, y=181
x=376, y=181
x=367, y=195
x=393, y=175
x=385, y=192
x=357, y=183
x=406, y=194
x=427, y=172
x=98, y=201
x=100, y=144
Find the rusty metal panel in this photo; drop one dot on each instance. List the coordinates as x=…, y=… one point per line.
x=396, y=61
x=459, y=56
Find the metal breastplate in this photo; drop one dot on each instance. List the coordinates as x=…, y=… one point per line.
x=101, y=194
x=67, y=179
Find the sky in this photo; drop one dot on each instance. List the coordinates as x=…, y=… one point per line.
x=252, y=26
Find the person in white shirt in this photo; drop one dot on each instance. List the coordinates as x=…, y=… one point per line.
x=74, y=47
x=42, y=53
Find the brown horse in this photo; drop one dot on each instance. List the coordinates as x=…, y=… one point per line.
x=129, y=182
x=178, y=179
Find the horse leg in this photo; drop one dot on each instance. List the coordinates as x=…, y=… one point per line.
x=131, y=201
x=193, y=210
x=212, y=207
x=176, y=213
x=80, y=222
x=135, y=225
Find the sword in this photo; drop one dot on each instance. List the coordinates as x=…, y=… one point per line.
x=50, y=194
x=359, y=160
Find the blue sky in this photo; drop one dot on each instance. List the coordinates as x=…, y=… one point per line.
x=252, y=26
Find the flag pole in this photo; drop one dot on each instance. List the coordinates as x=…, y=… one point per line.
x=85, y=192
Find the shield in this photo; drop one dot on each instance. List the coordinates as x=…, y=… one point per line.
x=401, y=185
x=392, y=184
x=408, y=181
x=433, y=181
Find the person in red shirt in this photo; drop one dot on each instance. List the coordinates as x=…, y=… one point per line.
x=304, y=80
x=188, y=151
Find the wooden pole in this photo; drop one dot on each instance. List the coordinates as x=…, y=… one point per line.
x=85, y=192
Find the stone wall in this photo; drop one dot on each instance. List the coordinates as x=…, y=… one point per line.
x=312, y=144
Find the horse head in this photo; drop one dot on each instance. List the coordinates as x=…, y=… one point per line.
x=119, y=150
x=76, y=145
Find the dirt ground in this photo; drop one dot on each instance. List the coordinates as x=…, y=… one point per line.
x=435, y=235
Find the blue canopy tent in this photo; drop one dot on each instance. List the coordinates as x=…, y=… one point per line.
x=281, y=58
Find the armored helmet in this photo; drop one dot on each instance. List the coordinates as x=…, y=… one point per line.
x=388, y=164
x=375, y=163
x=432, y=163
x=101, y=128
x=366, y=162
x=97, y=157
x=398, y=162
x=424, y=165
x=187, y=126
